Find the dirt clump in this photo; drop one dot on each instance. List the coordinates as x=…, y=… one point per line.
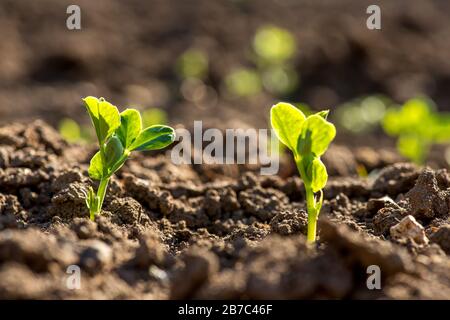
x=426, y=199
x=161, y=237
x=442, y=238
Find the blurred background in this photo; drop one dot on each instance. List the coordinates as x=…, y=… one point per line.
x=227, y=61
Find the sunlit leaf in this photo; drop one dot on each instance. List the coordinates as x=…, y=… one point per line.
x=323, y=113
x=154, y=138
x=316, y=135
x=318, y=174
x=113, y=151
x=130, y=126
x=96, y=169
x=105, y=117
x=287, y=121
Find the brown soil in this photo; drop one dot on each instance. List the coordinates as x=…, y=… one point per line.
x=126, y=52
x=216, y=231
x=180, y=232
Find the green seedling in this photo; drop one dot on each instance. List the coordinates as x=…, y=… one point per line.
x=118, y=135
x=193, y=63
x=273, y=48
x=69, y=130
x=308, y=138
x=274, y=45
x=154, y=116
x=72, y=132
x=243, y=82
x=362, y=115
x=279, y=79
x=418, y=126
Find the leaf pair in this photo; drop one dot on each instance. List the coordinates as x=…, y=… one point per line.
x=119, y=134
x=307, y=137
x=91, y=199
x=418, y=125
x=133, y=137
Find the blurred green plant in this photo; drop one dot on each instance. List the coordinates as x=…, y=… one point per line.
x=274, y=45
x=418, y=125
x=193, y=63
x=243, y=82
x=280, y=80
x=72, y=132
x=154, y=116
x=69, y=130
x=362, y=115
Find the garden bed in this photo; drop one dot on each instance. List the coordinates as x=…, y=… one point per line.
x=205, y=232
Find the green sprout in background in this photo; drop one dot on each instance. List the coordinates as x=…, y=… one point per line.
x=154, y=116
x=243, y=83
x=118, y=135
x=279, y=80
x=417, y=125
x=72, y=132
x=308, y=138
x=193, y=63
x=362, y=115
x=274, y=45
x=273, y=48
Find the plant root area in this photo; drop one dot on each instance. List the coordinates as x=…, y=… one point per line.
x=215, y=232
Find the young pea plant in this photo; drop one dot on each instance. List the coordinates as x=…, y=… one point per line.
x=118, y=135
x=307, y=138
x=418, y=126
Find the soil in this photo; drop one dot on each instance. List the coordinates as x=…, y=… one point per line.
x=126, y=52
x=177, y=232
x=210, y=231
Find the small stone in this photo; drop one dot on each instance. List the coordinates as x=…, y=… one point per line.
x=409, y=228
x=212, y=204
x=95, y=256
x=442, y=238
x=84, y=228
x=151, y=251
x=373, y=205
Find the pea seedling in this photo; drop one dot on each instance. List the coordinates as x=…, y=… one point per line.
x=118, y=135
x=418, y=126
x=308, y=138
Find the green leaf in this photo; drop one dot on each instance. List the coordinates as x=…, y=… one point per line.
x=91, y=199
x=413, y=117
x=96, y=170
x=105, y=117
x=318, y=174
x=154, y=138
x=316, y=135
x=287, y=121
x=413, y=148
x=113, y=151
x=130, y=126
x=323, y=114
